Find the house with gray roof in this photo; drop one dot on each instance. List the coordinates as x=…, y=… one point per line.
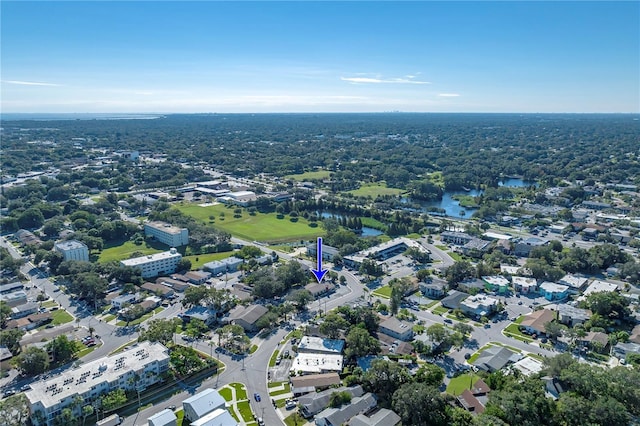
x=247, y=316
x=341, y=415
x=201, y=404
x=313, y=403
x=396, y=328
x=495, y=358
x=165, y=417
x=379, y=417
x=454, y=299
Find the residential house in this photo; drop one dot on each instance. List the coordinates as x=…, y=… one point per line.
x=165, y=417
x=247, y=316
x=14, y=298
x=599, y=286
x=475, y=399
x=218, y=417
x=552, y=291
x=574, y=282
x=125, y=299
x=24, y=310
x=313, y=383
x=341, y=415
x=479, y=305
x=621, y=350
x=475, y=248
x=524, y=285
x=378, y=417
x=313, y=403
x=571, y=315
x=496, y=358
x=207, y=315
x=27, y=238
x=320, y=289
x=528, y=366
x=595, y=340
x=471, y=285
x=635, y=334
x=553, y=388
x=535, y=322
x=523, y=247
x=159, y=289
x=201, y=404
x=496, y=283
x=454, y=299
x=175, y=285
x=11, y=287
x=396, y=328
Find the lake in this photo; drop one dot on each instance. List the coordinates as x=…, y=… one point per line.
x=366, y=231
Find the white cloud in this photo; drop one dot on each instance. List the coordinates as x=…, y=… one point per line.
x=29, y=83
x=409, y=79
x=448, y=95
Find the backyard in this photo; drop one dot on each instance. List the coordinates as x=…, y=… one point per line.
x=457, y=385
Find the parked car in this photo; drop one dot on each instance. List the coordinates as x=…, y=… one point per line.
x=257, y=397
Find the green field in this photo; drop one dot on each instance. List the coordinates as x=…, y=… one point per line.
x=125, y=249
x=197, y=260
x=373, y=223
x=384, y=292
x=466, y=200
x=374, y=189
x=318, y=174
x=61, y=317
x=261, y=227
x=458, y=384
x=440, y=310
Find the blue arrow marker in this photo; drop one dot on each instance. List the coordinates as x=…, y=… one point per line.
x=319, y=273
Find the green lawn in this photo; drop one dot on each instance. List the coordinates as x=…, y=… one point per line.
x=373, y=223
x=49, y=304
x=294, y=420
x=180, y=417
x=287, y=389
x=440, y=310
x=241, y=391
x=61, y=317
x=109, y=317
x=464, y=381
x=441, y=247
x=226, y=393
x=374, y=189
x=197, y=260
x=384, y=292
x=137, y=320
x=429, y=304
x=512, y=331
x=455, y=256
x=87, y=350
x=245, y=410
x=272, y=360
x=125, y=249
x=519, y=319
x=318, y=174
x=261, y=227
x=275, y=385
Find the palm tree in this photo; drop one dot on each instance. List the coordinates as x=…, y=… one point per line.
x=91, y=331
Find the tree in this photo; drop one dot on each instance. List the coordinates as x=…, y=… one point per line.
x=33, y=361
x=333, y=324
x=300, y=298
x=5, y=313
x=113, y=399
x=249, y=252
x=14, y=410
x=11, y=339
x=459, y=271
x=521, y=402
x=233, y=338
x=160, y=330
x=63, y=349
x=360, y=343
x=438, y=333
x=556, y=365
x=420, y=404
x=611, y=305
x=553, y=329
x=384, y=378
x=430, y=374
x=196, y=327
x=337, y=399
x=184, y=264
x=464, y=329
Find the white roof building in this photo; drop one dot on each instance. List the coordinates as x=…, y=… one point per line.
x=201, y=404
x=165, y=417
x=598, y=286
x=155, y=264
x=146, y=361
x=310, y=344
x=573, y=281
x=218, y=417
x=73, y=250
x=167, y=233
x=310, y=363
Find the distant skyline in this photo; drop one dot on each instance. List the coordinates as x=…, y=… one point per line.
x=209, y=56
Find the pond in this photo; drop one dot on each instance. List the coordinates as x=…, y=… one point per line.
x=366, y=231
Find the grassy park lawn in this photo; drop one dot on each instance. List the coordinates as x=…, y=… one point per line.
x=383, y=292
x=318, y=174
x=260, y=227
x=61, y=317
x=374, y=189
x=124, y=250
x=197, y=260
x=457, y=385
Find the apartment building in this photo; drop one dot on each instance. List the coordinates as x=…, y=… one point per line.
x=73, y=250
x=155, y=264
x=167, y=234
x=136, y=368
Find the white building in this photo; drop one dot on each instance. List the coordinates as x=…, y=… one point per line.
x=314, y=363
x=165, y=417
x=599, y=286
x=218, y=417
x=201, y=404
x=479, y=305
x=155, y=264
x=167, y=234
x=73, y=250
x=136, y=368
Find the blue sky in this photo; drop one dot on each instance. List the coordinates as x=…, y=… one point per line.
x=320, y=56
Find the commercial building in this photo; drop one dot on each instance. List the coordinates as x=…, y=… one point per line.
x=328, y=252
x=524, y=285
x=599, y=286
x=384, y=251
x=14, y=298
x=155, y=264
x=73, y=250
x=459, y=238
x=479, y=305
x=230, y=264
x=136, y=368
x=317, y=345
x=313, y=383
x=167, y=233
x=315, y=363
